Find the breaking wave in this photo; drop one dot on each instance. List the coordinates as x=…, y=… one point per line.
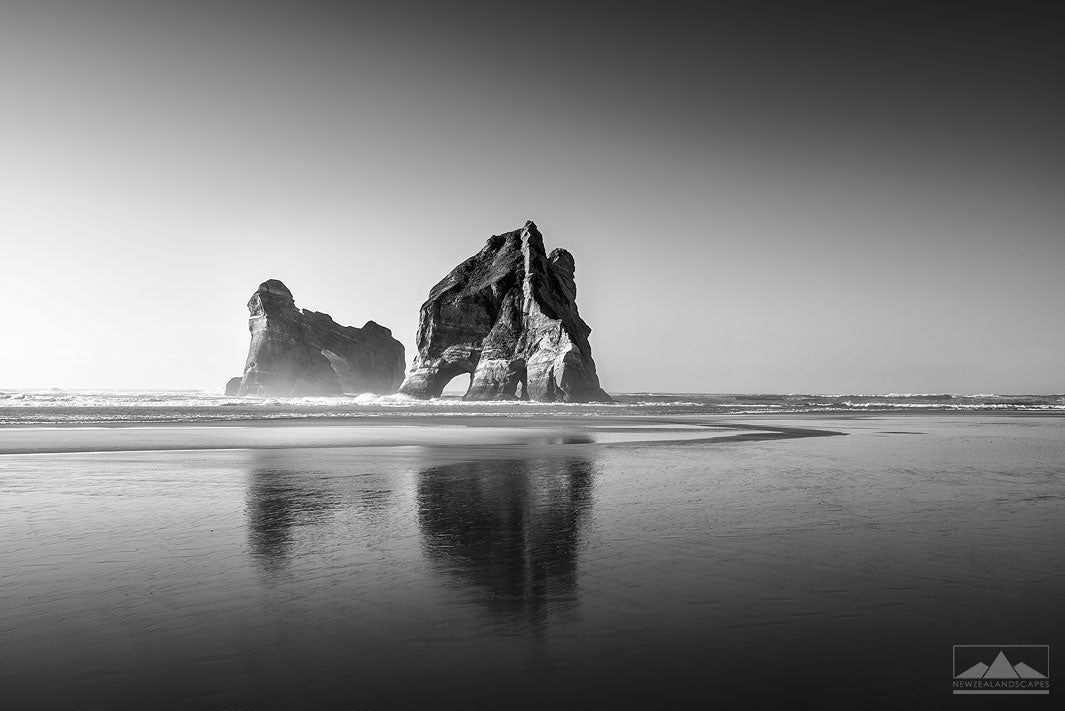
x=72, y=406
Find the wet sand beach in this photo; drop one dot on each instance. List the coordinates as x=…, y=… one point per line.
x=479, y=562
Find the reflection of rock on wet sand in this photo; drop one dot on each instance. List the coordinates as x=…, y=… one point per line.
x=277, y=502
x=290, y=490
x=509, y=528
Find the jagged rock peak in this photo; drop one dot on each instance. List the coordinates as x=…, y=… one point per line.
x=297, y=352
x=507, y=316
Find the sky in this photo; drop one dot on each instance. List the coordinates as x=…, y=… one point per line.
x=760, y=197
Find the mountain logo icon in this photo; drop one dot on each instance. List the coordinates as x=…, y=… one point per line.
x=1006, y=669
x=1000, y=669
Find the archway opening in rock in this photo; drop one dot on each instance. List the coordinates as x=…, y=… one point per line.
x=458, y=385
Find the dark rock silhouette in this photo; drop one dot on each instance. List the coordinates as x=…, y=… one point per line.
x=508, y=316
x=297, y=353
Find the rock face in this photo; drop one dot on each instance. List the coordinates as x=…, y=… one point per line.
x=233, y=385
x=295, y=353
x=508, y=315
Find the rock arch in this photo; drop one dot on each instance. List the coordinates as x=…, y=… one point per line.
x=508, y=315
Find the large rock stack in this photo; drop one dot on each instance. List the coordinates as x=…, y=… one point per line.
x=297, y=352
x=507, y=315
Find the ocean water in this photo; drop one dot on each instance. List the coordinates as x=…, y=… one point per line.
x=94, y=406
x=525, y=561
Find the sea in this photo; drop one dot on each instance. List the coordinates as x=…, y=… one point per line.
x=70, y=406
x=185, y=550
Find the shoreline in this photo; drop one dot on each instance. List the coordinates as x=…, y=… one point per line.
x=429, y=431
x=493, y=419
x=448, y=431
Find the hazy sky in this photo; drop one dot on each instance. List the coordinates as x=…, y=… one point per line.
x=757, y=200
